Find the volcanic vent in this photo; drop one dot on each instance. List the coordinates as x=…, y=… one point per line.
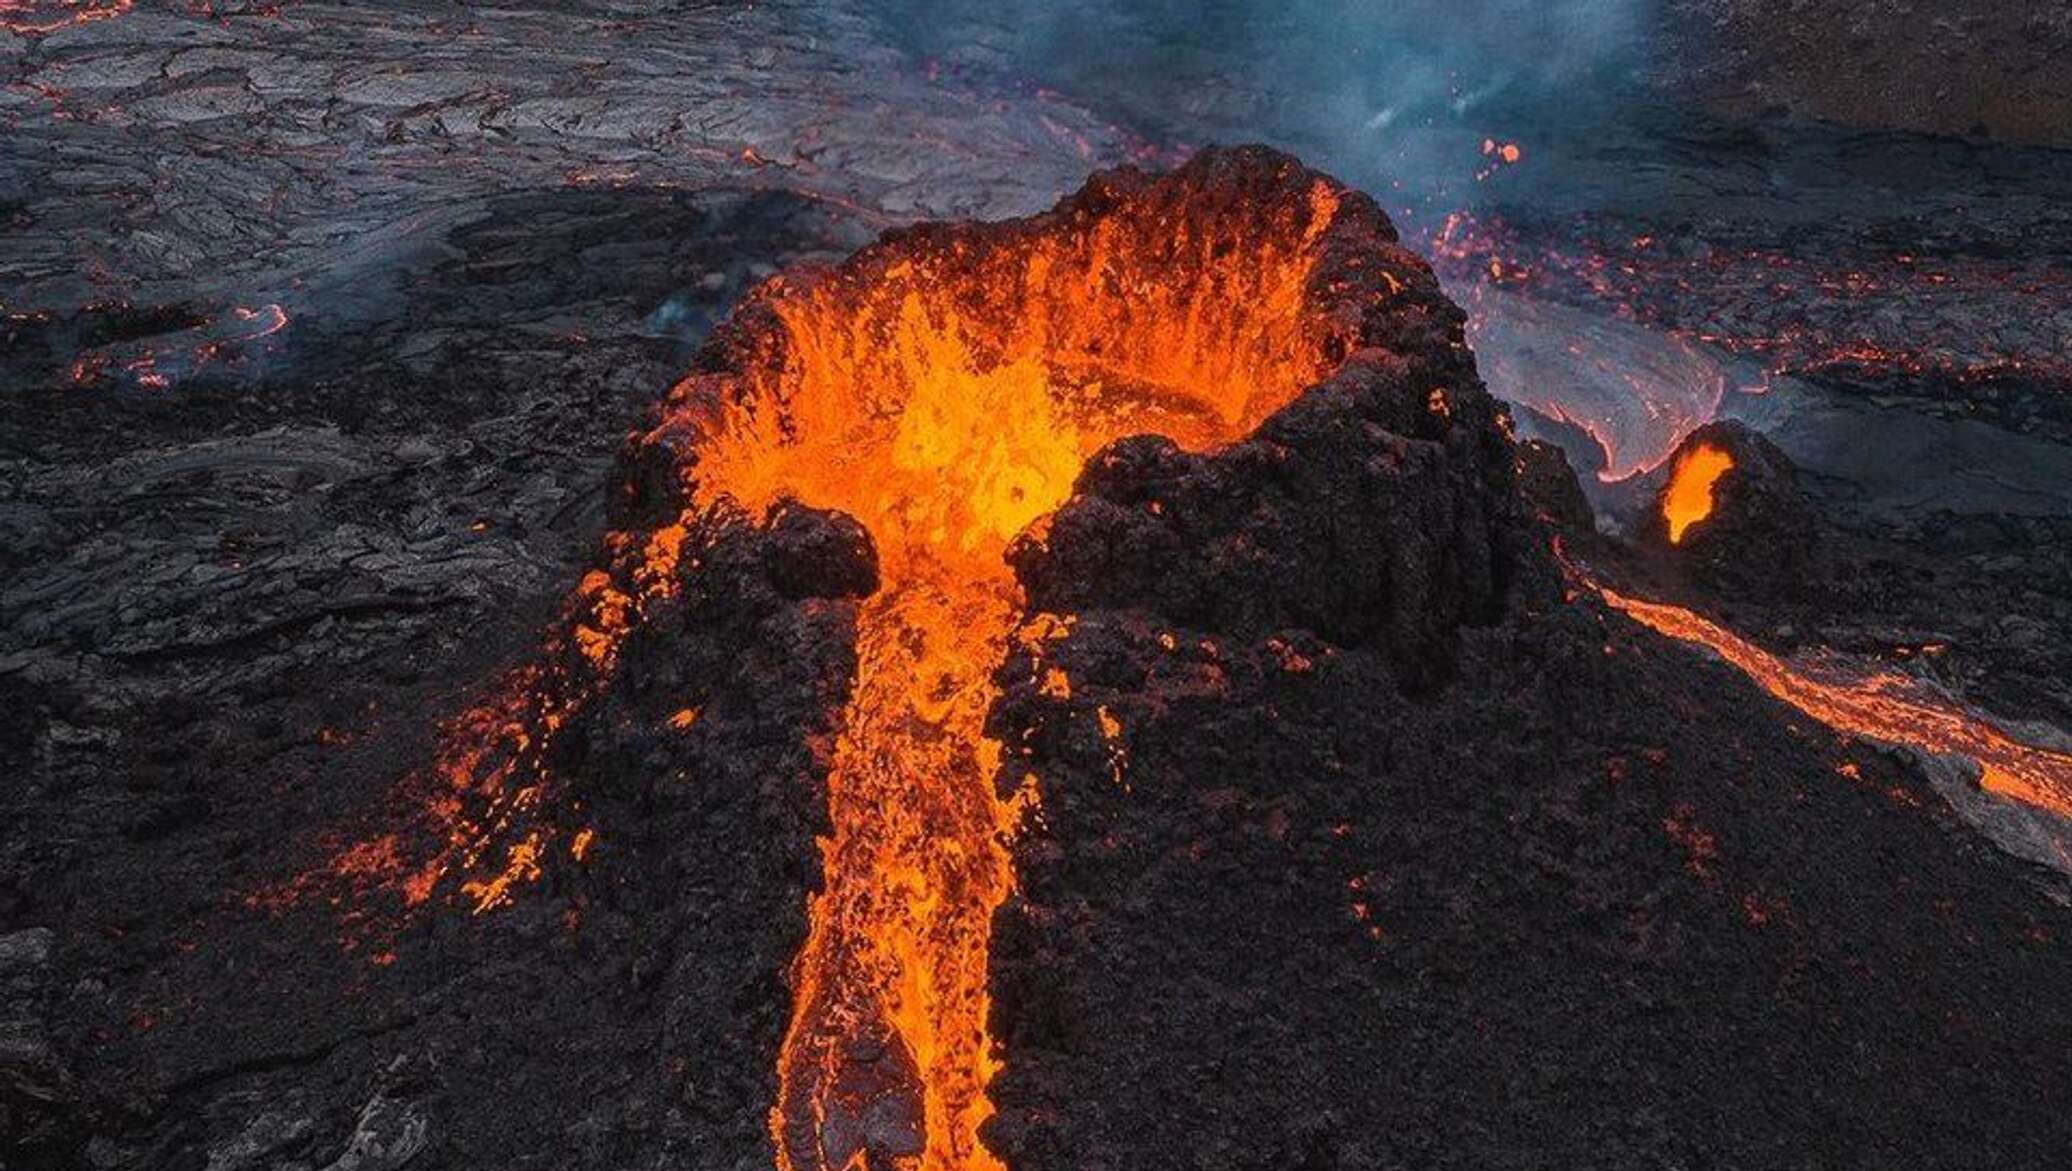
x=944, y=389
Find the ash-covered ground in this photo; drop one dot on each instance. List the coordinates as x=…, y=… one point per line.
x=321, y=325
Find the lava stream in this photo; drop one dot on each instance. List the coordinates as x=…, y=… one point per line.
x=1880, y=705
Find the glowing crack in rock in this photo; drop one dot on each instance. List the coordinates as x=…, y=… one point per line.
x=35, y=18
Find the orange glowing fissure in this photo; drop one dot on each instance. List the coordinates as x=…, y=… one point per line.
x=947, y=400
x=1689, y=498
x=1878, y=704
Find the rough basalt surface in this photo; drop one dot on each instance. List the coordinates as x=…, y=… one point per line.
x=1530, y=888
x=1411, y=510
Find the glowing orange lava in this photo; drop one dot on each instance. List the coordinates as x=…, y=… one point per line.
x=1878, y=704
x=945, y=391
x=1688, y=498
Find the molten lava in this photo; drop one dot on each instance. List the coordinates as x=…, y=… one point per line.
x=1689, y=499
x=226, y=344
x=1877, y=704
x=948, y=403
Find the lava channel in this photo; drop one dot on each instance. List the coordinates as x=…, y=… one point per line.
x=1877, y=704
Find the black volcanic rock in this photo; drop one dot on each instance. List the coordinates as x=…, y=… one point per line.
x=1482, y=879
x=813, y=553
x=1549, y=487
x=702, y=778
x=42, y=1107
x=1381, y=522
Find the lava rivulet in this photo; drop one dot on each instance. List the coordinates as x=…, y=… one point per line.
x=1880, y=705
x=944, y=388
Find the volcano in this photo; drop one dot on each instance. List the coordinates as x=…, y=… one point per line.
x=936, y=398
x=1107, y=690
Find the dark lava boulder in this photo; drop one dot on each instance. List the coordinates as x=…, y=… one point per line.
x=1382, y=522
x=1550, y=489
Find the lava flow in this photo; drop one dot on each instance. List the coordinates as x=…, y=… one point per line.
x=1877, y=704
x=1890, y=316
x=1688, y=499
x=225, y=343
